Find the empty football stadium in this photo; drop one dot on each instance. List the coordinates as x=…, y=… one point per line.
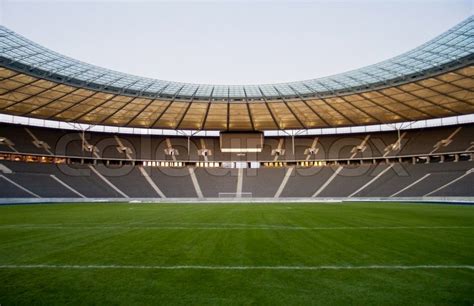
x=356, y=188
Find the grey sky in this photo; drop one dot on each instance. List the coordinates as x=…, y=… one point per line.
x=244, y=42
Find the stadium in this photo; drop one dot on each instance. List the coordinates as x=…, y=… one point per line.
x=353, y=188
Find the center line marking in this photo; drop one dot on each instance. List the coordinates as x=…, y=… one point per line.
x=231, y=227
x=204, y=267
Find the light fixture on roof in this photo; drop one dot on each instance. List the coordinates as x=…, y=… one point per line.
x=204, y=152
x=278, y=152
x=171, y=152
x=40, y=144
x=359, y=149
x=311, y=151
x=125, y=150
x=6, y=142
x=90, y=148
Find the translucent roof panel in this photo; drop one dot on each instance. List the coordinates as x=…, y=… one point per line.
x=204, y=91
x=252, y=91
x=236, y=91
x=269, y=91
x=454, y=47
x=441, y=95
x=221, y=92
x=189, y=90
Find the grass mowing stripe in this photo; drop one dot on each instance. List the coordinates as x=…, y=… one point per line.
x=362, y=253
x=199, y=267
x=262, y=227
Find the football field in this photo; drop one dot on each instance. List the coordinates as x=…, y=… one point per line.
x=237, y=254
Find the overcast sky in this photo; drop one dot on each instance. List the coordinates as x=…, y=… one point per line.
x=240, y=42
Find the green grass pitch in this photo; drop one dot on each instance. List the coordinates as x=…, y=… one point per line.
x=237, y=254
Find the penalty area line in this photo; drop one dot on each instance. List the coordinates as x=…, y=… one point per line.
x=199, y=267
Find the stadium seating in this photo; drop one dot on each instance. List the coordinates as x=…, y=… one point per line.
x=61, y=142
x=109, y=180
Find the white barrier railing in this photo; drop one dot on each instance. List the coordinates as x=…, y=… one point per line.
x=452, y=200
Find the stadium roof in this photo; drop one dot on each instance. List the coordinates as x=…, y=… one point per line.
x=434, y=80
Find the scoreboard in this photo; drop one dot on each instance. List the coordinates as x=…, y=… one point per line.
x=235, y=142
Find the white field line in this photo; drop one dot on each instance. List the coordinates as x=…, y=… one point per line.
x=224, y=227
x=67, y=186
x=205, y=267
x=411, y=185
x=284, y=182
